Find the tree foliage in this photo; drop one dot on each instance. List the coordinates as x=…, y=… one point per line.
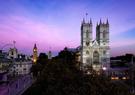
x=61, y=77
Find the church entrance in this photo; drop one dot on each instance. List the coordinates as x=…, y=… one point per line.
x=95, y=58
x=88, y=61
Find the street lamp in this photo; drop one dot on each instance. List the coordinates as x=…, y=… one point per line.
x=104, y=68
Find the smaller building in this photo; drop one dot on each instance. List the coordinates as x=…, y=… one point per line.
x=49, y=55
x=119, y=73
x=4, y=62
x=120, y=69
x=13, y=53
x=20, y=68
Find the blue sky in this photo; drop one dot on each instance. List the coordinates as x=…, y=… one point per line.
x=54, y=24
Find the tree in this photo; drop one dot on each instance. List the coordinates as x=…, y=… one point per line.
x=42, y=59
x=61, y=77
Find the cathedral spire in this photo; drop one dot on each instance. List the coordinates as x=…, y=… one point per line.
x=14, y=42
x=86, y=16
x=97, y=23
x=107, y=22
x=35, y=46
x=83, y=20
x=90, y=21
x=100, y=21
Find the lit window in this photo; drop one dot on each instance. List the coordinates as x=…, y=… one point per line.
x=34, y=60
x=114, y=78
x=124, y=78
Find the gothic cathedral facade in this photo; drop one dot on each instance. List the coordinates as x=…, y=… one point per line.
x=95, y=53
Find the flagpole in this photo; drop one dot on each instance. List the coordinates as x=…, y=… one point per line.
x=86, y=17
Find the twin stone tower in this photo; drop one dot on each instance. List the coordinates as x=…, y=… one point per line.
x=95, y=53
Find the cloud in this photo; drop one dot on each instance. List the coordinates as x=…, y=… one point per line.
x=57, y=25
x=27, y=31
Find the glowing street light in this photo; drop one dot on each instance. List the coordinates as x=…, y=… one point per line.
x=104, y=68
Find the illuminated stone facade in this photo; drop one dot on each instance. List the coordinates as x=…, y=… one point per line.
x=95, y=53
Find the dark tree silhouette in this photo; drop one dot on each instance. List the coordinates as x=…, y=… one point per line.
x=61, y=77
x=42, y=59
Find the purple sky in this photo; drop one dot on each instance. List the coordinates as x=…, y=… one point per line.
x=54, y=24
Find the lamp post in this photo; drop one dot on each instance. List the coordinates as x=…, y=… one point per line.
x=104, y=69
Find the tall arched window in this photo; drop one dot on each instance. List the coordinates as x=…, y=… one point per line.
x=104, y=52
x=95, y=57
x=87, y=52
x=104, y=34
x=87, y=43
x=87, y=34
